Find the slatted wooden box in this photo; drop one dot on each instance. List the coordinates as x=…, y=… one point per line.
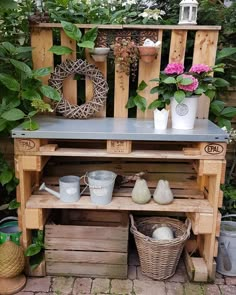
x=88, y=244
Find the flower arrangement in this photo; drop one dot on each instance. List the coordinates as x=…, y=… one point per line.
x=174, y=82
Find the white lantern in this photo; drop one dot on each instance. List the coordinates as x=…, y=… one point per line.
x=188, y=12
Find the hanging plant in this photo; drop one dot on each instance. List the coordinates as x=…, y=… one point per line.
x=126, y=56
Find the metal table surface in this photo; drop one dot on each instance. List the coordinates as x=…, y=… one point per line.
x=52, y=127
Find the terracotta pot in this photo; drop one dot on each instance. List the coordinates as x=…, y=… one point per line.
x=147, y=53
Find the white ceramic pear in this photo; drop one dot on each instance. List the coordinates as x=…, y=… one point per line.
x=163, y=194
x=141, y=193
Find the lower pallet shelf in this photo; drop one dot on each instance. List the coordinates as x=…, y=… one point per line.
x=96, y=245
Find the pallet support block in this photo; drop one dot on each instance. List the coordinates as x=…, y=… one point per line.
x=119, y=146
x=196, y=268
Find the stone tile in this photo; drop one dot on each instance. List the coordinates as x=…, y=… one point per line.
x=227, y=289
x=174, y=288
x=211, y=289
x=82, y=286
x=193, y=289
x=133, y=258
x=147, y=288
x=37, y=285
x=100, y=286
x=24, y=293
x=141, y=276
x=219, y=279
x=132, y=272
x=180, y=275
x=62, y=285
x=230, y=280
x=121, y=286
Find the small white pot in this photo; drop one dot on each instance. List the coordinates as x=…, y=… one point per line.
x=161, y=119
x=183, y=114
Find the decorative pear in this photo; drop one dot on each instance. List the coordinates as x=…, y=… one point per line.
x=141, y=193
x=163, y=194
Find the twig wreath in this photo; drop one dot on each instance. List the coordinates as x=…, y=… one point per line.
x=100, y=89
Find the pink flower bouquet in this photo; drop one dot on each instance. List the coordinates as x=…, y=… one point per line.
x=174, y=82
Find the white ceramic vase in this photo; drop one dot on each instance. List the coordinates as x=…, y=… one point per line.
x=161, y=119
x=183, y=114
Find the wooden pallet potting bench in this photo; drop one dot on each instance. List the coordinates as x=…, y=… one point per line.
x=192, y=160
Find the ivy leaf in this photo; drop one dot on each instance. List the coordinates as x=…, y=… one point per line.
x=60, y=50
x=217, y=106
x=13, y=115
x=31, y=94
x=9, y=82
x=199, y=91
x=86, y=44
x=50, y=92
x=140, y=102
x=210, y=93
x=219, y=82
x=41, y=72
x=156, y=104
x=32, y=250
x=3, y=124
x=169, y=80
x=142, y=85
x=9, y=47
x=30, y=125
x=224, y=122
x=154, y=90
x=90, y=35
x=179, y=95
x=13, y=205
x=229, y=112
x=22, y=67
x=130, y=103
x=6, y=177
x=186, y=81
x=71, y=30
x=23, y=49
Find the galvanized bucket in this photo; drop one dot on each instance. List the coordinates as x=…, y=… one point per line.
x=226, y=259
x=101, y=184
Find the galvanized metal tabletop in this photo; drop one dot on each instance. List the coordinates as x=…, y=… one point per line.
x=53, y=127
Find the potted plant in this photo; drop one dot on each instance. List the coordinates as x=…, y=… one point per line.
x=99, y=54
x=148, y=51
x=126, y=55
x=182, y=89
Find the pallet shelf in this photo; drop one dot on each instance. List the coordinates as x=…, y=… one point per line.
x=192, y=160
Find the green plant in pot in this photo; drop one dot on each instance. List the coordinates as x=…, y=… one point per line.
x=182, y=89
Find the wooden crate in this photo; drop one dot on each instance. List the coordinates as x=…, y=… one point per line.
x=88, y=244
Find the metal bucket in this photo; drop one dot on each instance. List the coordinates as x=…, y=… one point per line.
x=9, y=230
x=101, y=184
x=226, y=259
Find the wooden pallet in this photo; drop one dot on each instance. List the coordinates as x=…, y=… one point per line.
x=194, y=169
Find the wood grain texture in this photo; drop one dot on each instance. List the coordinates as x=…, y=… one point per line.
x=178, y=46
x=41, y=42
x=147, y=72
x=69, y=84
x=205, y=47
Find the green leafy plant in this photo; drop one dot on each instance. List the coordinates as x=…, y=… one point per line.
x=22, y=90
x=7, y=176
x=86, y=40
x=35, y=250
x=229, y=201
x=221, y=114
x=138, y=100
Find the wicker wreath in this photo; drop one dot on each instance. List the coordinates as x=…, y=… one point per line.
x=100, y=89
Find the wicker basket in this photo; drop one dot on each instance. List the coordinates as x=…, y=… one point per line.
x=159, y=259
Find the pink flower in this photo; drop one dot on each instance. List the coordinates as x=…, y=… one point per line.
x=190, y=87
x=174, y=68
x=200, y=68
